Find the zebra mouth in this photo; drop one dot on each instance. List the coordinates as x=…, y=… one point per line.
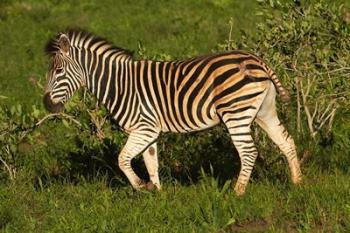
x=51, y=106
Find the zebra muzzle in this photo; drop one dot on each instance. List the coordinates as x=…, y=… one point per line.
x=51, y=106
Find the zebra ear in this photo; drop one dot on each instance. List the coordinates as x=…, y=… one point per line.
x=64, y=44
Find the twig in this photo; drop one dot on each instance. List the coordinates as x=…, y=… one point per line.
x=315, y=111
x=330, y=122
x=10, y=171
x=326, y=110
x=7, y=167
x=98, y=123
x=230, y=34
x=297, y=81
x=46, y=117
x=330, y=116
x=339, y=95
x=306, y=108
x=57, y=114
x=335, y=70
x=42, y=120
x=298, y=105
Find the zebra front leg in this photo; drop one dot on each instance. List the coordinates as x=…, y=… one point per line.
x=150, y=157
x=136, y=143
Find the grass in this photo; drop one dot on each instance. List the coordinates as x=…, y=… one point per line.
x=37, y=202
x=322, y=204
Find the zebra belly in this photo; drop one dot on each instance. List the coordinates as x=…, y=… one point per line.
x=185, y=122
x=196, y=129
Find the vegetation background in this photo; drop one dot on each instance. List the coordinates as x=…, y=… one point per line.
x=58, y=173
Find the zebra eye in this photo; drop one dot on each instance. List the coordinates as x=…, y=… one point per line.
x=59, y=70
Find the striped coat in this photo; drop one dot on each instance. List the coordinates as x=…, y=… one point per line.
x=149, y=97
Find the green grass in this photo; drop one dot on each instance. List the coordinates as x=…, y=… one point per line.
x=322, y=204
x=57, y=191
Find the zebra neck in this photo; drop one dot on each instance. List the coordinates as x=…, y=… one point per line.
x=110, y=79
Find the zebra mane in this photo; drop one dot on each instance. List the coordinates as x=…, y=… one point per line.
x=76, y=37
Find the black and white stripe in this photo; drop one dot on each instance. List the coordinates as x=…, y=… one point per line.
x=148, y=97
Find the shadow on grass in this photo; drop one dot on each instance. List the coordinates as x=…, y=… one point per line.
x=211, y=151
x=182, y=164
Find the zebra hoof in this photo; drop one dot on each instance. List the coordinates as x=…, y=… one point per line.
x=150, y=186
x=143, y=186
x=239, y=189
x=297, y=180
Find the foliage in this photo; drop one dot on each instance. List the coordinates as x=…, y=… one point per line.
x=307, y=44
x=304, y=52
x=59, y=170
x=14, y=127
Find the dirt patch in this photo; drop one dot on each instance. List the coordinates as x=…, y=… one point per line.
x=260, y=225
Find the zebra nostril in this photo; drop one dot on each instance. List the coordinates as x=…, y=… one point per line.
x=51, y=106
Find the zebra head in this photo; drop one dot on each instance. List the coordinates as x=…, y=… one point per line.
x=65, y=75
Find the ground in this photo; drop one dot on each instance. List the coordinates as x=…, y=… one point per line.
x=51, y=195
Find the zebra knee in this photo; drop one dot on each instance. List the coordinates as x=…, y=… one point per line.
x=290, y=141
x=288, y=147
x=124, y=162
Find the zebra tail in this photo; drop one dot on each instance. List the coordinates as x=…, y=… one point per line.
x=284, y=94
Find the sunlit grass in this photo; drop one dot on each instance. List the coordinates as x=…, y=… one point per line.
x=201, y=207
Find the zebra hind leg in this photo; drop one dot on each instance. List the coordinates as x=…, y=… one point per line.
x=268, y=120
x=135, y=144
x=240, y=132
x=150, y=157
x=248, y=153
x=238, y=119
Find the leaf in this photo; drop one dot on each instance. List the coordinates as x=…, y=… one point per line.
x=36, y=112
x=13, y=148
x=13, y=110
x=19, y=109
x=65, y=123
x=231, y=221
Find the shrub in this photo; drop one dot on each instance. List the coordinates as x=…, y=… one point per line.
x=307, y=44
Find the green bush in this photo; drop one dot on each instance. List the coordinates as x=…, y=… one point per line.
x=307, y=44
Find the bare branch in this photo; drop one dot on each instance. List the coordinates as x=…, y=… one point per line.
x=330, y=122
x=330, y=115
x=98, y=123
x=298, y=104
x=9, y=169
x=328, y=108
x=231, y=22
x=315, y=111
x=51, y=115
x=335, y=70
x=306, y=108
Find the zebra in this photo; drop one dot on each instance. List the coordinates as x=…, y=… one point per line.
x=146, y=98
